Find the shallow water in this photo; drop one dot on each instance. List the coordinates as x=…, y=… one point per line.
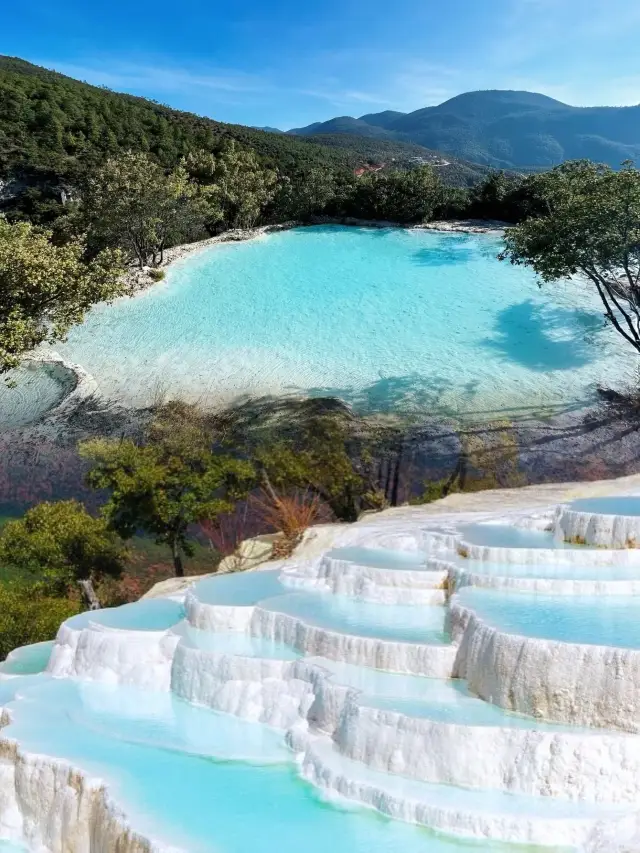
x=608, y=506
x=226, y=805
x=147, y=615
x=608, y=620
x=28, y=660
x=37, y=390
x=379, y=558
x=507, y=536
x=398, y=622
x=385, y=319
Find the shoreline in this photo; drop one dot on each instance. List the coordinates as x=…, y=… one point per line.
x=140, y=280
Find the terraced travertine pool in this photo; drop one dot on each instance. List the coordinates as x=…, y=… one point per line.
x=263, y=709
x=385, y=319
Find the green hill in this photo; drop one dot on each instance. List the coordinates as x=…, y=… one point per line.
x=51, y=122
x=506, y=129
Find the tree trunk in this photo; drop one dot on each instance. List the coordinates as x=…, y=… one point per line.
x=177, y=560
x=89, y=594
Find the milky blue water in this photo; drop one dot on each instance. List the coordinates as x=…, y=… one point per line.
x=507, y=536
x=608, y=506
x=147, y=615
x=398, y=622
x=379, y=558
x=35, y=390
x=551, y=571
x=608, y=620
x=203, y=781
x=385, y=319
x=27, y=660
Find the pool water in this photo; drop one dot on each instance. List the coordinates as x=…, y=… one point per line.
x=27, y=660
x=552, y=571
x=147, y=615
x=608, y=620
x=385, y=319
x=397, y=622
x=508, y=536
x=227, y=804
x=608, y=506
x=378, y=558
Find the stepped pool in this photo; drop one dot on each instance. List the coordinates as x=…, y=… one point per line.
x=386, y=319
x=250, y=712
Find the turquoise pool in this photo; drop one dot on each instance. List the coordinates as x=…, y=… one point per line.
x=608, y=506
x=205, y=782
x=385, y=319
x=609, y=620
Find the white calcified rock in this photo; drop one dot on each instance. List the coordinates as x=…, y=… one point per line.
x=582, y=685
x=57, y=809
x=604, y=531
x=546, y=556
x=113, y=656
x=386, y=586
x=417, y=658
x=523, y=760
x=474, y=814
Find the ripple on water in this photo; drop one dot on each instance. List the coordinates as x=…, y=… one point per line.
x=38, y=389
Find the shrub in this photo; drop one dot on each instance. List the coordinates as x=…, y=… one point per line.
x=289, y=514
x=27, y=616
x=156, y=274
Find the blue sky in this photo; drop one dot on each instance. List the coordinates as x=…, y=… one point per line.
x=286, y=63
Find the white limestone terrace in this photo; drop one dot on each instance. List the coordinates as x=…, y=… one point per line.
x=459, y=666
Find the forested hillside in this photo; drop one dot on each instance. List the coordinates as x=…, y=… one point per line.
x=53, y=123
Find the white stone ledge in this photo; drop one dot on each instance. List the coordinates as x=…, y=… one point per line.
x=604, y=531
x=572, y=683
x=571, y=764
x=448, y=810
x=56, y=807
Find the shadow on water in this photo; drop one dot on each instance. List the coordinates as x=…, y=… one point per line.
x=543, y=338
x=445, y=254
x=393, y=394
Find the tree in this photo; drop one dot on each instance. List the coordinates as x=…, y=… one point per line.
x=46, y=289
x=317, y=461
x=59, y=545
x=235, y=184
x=304, y=194
x=591, y=228
x=163, y=487
x=133, y=203
x=397, y=196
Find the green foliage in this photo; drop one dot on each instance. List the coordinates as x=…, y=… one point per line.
x=131, y=202
x=46, y=289
x=591, y=228
x=57, y=127
x=156, y=274
x=58, y=544
x=164, y=486
x=397, y=196
x=234, y=183
x=316, y=459
x=27, y=616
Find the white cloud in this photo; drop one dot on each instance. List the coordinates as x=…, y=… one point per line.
x=154, y=77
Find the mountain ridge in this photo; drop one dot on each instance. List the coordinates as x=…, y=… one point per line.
x=503, y=128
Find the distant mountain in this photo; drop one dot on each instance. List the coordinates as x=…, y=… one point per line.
x=345, y=124
x=504, y=129
x=268, y=129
